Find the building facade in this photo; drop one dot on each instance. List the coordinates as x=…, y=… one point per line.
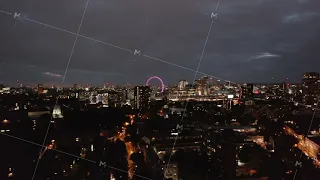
x=182, y=85
x=247, y=91
x=142, y=96
x=310, y=88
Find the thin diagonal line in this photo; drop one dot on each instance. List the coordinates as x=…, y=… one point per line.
x=50, y=26
x=122, y=48
x=301, y=104
x=218, y=5
x=75, y=42
x=150, y=57
x=189, y=69
x=63, y=152
x=118, y=47
x=183, y=67
x=83, y=36
x=204, y=47
x=105, y=43
x=125, y=49
x=195, y=76
x=64, y=76
x=127, y=172
x=5, y=12
x=45, y=146
x=130, y=50
x=295, y=102
x=314, y=113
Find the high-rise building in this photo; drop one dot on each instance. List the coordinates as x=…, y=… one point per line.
x=141, y=97
x=40, y=89
x=125, y=94
x=282, y=90
x=182, y=85
x=310, y=88
x=75, y=87
x=247, y=91
x=202, y=85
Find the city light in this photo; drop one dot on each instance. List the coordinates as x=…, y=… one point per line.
x=5, y=121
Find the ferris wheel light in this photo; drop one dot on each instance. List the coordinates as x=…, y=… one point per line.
x=156, y=77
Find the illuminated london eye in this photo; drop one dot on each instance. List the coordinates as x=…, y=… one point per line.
x=156, y=77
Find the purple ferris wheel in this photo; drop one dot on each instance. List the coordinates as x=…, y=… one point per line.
x=156, y=77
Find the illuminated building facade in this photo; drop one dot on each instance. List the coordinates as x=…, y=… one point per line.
x=182, y=85
x=40, y=89
x=141, y=97
x=308, y=146
x=57, y=113
x=95, y=98
x=310, y=88
x=125, y=94
x=247, y=91
x=171, y=171
x=202, y=85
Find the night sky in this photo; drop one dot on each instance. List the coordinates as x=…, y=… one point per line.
x=250, y=41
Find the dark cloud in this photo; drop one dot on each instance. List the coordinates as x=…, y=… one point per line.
x=252, y=40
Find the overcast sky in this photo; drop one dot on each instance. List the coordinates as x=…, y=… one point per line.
x=250, y=41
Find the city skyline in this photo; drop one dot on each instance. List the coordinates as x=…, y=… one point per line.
x=162, y=90
x=153, y=83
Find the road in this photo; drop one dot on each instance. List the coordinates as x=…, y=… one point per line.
x=129, y=146
x=309, y=148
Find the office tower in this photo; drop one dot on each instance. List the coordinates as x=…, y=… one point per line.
x=141, y=97
x=283, y=90
x=75, y=86
x=247, y=91
x=105, y=98
x=125, y=95
x=40, y=89
x=182, y=85
x=202, y=85
x=310, y=88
